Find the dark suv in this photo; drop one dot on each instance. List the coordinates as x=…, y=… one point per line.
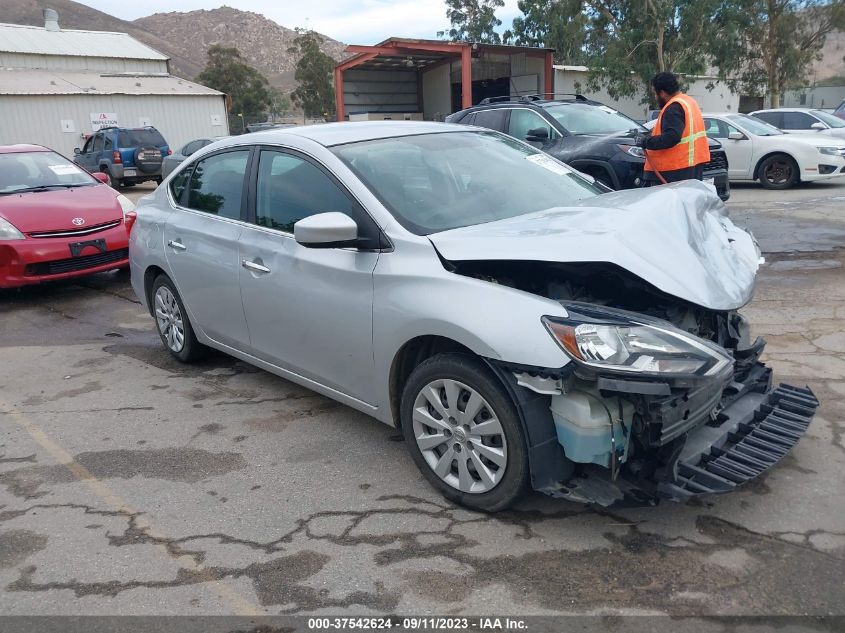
x=128, y=155
x=589, y=136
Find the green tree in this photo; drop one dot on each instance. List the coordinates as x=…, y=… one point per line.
x=279, y=103
x=628, y=41
x=557, y=24
x=473, y=21
x=227, y=72
x=772, y=44
x=314, y=74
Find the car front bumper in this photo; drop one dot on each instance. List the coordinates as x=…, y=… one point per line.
x=37, y=260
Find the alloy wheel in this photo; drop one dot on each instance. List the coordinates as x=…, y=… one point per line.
x=778, y=172
x=460, y=436
x=169, y=319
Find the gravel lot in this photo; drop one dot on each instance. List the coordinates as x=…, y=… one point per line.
x=131, y=484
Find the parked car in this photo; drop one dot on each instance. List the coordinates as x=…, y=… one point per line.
x=593, y=138
x=129, y=156
x=519, y=327
x=840, y=110
x=759, y=151
x=57, y=220
x=803, y=120
x=175, y=159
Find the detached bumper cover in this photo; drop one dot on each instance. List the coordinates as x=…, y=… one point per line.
x=755, y=432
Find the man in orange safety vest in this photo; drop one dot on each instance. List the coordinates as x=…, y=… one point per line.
x=677, y=148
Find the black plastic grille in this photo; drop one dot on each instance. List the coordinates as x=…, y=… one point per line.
x=59, y=266
x=717, y=161
x=755, y=445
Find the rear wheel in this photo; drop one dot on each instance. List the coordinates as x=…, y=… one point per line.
x=463, y=432
x=778, y=172
x=174, y=327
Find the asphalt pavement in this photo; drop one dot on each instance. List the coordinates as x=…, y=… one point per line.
x=131, y=484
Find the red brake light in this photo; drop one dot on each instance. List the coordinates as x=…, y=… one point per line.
x=115, y=156
x=129, y=220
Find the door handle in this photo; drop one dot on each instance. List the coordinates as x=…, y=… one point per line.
x=177, y=245
x=254, y=267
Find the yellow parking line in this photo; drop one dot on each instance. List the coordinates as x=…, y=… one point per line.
x=240, y=604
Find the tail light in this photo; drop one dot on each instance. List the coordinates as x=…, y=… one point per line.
x=129, y=220
x=115, y=156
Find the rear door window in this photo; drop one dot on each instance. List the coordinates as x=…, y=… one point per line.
x=216, y=185
x=492, y=119
x=772, y=118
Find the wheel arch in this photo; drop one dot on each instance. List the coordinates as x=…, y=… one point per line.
x=755, y=175
x=591, y=166
x=150, y=275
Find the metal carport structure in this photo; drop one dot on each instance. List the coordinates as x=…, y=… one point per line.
x=399, y=66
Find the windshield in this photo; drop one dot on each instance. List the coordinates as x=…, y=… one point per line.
x=754, y=126
x=828, y=118
x=26, y=171
x=436, y=182
x=138, y=138
x=584, y=118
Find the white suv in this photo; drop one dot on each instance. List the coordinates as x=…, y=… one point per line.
x=808, y=120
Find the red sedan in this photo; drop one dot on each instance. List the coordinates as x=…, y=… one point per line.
x=57, y=220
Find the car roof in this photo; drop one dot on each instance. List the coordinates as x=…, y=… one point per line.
x=786, y=110
x=329, y=134
x=23, y=147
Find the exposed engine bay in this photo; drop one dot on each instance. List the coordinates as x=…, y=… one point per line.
x=642, y=437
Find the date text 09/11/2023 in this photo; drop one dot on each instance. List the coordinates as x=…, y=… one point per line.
x=426, y=623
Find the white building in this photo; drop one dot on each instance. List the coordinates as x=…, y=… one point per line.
x=710, y=94
x=58, y=86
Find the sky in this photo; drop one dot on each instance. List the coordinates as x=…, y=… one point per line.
x=350, y=21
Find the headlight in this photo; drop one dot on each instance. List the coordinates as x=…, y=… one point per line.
x=611, y=342
x=832, y=151
x=8, y=231
x=633, y=150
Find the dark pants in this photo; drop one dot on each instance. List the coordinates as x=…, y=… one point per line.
x=676, y=175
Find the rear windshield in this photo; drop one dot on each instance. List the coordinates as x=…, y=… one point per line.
x=28, y=171
x=137, y=138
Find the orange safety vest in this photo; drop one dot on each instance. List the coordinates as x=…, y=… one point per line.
x=692, y=149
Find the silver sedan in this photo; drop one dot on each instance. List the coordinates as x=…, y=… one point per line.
x=521, y=328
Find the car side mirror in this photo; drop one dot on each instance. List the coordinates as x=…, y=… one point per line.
x=76, y=150
x=537, y=135
x=102, y=177
x=326, y=230
x=736, y=136
x=818, y=125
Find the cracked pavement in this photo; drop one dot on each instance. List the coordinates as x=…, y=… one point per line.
x=131, y=484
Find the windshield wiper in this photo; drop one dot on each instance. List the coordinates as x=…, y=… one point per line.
x=43, y=188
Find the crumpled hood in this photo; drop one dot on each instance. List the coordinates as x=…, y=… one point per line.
x=676, y=237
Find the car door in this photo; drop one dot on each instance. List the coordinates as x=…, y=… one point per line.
x=739, y=151
x=309, y=310
x=201, y=243
x=86, y=158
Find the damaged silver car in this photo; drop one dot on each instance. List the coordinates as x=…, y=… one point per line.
x=520, y=326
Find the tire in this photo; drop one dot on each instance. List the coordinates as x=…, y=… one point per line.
x=453, y=444
x=168, y=310
x=778, y=171
x=148, y=160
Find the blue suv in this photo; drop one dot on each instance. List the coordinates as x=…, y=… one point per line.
x=128, y=155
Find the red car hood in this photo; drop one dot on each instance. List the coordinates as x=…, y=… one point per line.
x=55, y=210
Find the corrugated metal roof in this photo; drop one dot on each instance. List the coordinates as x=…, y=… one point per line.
x=36, y=40
x=45, y=82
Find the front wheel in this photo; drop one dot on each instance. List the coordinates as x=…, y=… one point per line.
x=778, y=172
x=174, y=327
x=463, y=432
